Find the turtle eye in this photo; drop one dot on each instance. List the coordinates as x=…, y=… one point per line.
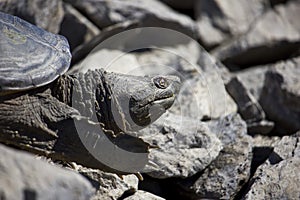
x=161, y=82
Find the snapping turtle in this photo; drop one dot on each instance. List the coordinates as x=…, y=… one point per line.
x=42, y=109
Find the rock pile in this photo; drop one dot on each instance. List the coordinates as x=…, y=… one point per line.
x=233, y=132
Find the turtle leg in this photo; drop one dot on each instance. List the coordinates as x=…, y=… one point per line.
x=25, y=118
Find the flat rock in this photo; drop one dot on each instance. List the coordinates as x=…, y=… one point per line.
x=140, y=194
x=280, y=97
x=74, y=22
x=148, y=13
x=278, y=177
x=274, y=36
x=185, y=146
x=22, y=176
x=45, y=14
x=219, y=20
x=223, y=178
x=109, y=186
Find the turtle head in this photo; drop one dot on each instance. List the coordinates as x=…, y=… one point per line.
x=141, y=100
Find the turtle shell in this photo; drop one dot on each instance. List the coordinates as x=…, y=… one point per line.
x=29, y=56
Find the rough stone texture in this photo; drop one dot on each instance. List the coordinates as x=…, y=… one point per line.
x=74, y=22
x=109, y=186
x=45, y=14
x=231, y=169
x=280, y=97
x=140, y=194
x=219, y=20
x=185, y=146
x=278, y=177
x=274, y=36
x=24, y=177
x=148, y=13
x=248, y=107
x=204, y=97
x=253, y=79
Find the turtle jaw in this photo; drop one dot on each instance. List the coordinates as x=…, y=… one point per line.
x=144, y=113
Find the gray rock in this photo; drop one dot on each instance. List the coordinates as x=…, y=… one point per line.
x=148, y=13
x=45, y=14
x=223, y=178
x=24, y=177
x=278, y=177
x=274, y=36
x=140, y=194
x=248, y=107
x=108, y=59
x=263, y=127
x=105, y=40
x=253, y=79
x=179, y=55
x=74, y=22
x=109, y=186
x=219, y=20
x=204, y=97
x=179, y=4
x=280, y=97
x=185, y=146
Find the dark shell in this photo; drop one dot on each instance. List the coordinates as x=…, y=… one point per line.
x=29, y=56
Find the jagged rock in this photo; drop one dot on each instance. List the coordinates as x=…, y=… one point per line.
x=223, y=178
x=253, y=79
x=140, y=194
x=248, y=107
x=74, y=22
x=278, y=177
x=274, y=36
x=219, y=20
x=280, y=97
x=185, y=146
x=148, y=13
x=45, y=14
x=24, y=177
x=109, y=186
